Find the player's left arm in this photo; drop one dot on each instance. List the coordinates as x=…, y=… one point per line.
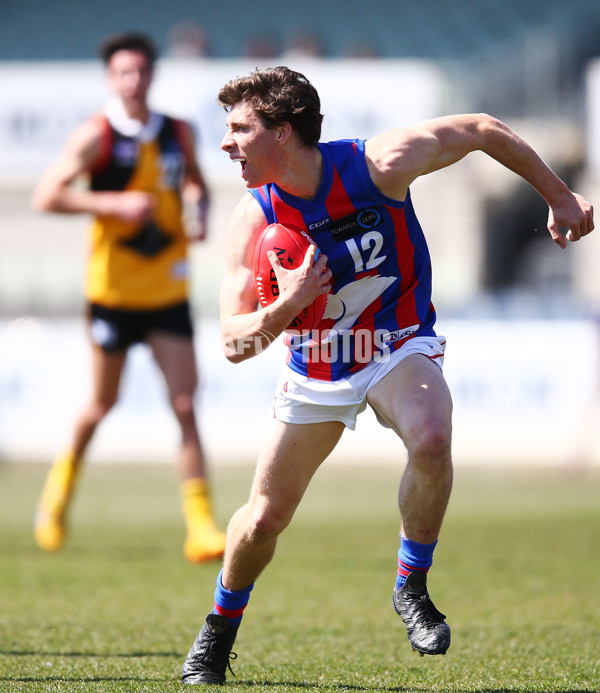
x=247, y=329
x=396, y=158
x=196, y=194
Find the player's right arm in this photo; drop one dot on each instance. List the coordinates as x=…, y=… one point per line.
x=246, y=330
x=55, y=191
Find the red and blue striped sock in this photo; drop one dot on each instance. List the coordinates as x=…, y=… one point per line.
x=231, y=604
x=413, y=556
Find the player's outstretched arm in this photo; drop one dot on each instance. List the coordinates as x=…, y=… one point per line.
x=396, y=158
x=567, y=210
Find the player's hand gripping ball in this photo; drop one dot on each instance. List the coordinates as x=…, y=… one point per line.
x=290, y=244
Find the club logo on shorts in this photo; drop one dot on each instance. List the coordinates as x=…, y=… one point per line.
x=103, y=333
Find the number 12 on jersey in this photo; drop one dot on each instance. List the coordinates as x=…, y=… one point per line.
x=366, y=257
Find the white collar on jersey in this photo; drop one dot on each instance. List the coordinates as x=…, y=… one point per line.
x=130, y=127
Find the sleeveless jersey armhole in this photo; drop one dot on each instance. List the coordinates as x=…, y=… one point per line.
x=363, y=171
x=262, y=196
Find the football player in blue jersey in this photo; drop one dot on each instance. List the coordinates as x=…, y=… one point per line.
x=353, y=197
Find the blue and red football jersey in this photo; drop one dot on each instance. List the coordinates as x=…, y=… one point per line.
x=379, y=258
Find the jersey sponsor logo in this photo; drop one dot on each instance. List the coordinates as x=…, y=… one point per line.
x=125, y=152
x=355, y=223
x=318, y=224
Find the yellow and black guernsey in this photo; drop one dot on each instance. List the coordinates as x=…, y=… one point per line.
x=131, y=265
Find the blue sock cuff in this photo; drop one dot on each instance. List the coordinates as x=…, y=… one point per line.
x=231, y=600
x=414, y=554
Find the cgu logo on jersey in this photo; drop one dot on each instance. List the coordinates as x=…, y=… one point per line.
x=353, y=224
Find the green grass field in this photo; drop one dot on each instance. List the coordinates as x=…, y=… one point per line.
x=517, y=571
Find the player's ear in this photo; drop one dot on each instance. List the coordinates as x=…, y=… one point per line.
x=284, y=130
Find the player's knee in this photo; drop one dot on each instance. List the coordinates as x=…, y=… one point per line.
x=430, y=444
x=98, y=410
x=266, y=524
x=183, y=405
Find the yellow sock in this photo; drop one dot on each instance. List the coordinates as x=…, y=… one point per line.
x=204, y=542
x=50, y=518
x=196, y=503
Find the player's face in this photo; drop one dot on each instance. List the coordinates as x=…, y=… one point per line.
x=130, y=76
x=252, y=145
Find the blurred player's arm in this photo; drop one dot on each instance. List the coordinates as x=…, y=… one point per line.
x=56, y=192
x=196, y=194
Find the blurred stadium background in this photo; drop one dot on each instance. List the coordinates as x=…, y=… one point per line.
x=521, y=317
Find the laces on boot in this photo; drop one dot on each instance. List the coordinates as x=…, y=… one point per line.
x=426, y=612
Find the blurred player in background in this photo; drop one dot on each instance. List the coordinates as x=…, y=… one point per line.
x=143, y=180
x=353, y=197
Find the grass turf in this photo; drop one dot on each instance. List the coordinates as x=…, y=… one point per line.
x=517, y=571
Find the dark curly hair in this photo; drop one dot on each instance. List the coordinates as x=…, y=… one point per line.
x=278, y=95
x=128, y=41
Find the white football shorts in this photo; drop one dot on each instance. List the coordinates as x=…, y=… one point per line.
x=299, y=399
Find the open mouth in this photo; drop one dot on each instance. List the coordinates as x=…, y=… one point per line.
x=240, y=161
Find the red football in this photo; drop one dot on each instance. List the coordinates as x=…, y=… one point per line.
x=290, y=244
